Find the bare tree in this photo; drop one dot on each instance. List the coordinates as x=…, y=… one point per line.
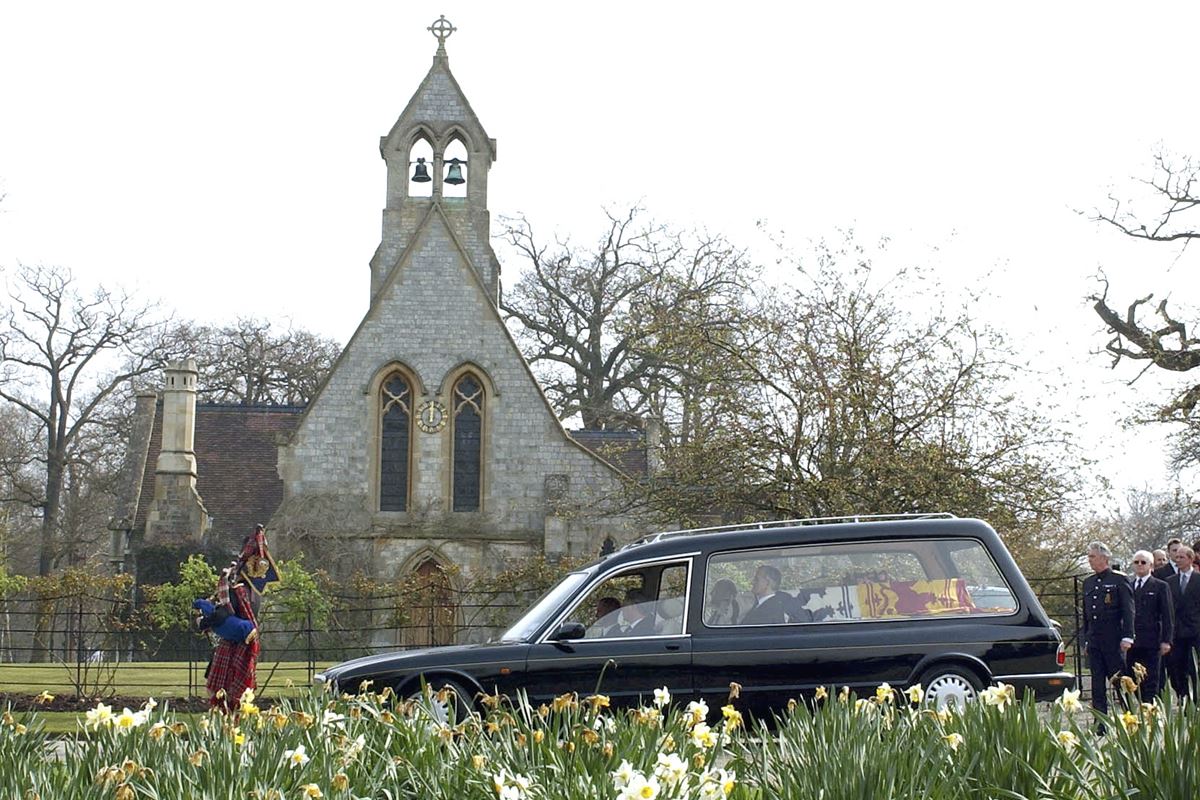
x=1152, y=518
x=63, y=356
x=604, y=325
x=1162, y=340
x=250, y=363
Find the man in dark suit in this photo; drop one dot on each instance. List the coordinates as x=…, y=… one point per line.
x=1107, y=622
x=1153, y=624
x=769, y=607
x=635, y=618
x=1185, y=592
x=1169, y=569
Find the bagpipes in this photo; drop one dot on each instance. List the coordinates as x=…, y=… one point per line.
x=232, y=613
x=221, y=620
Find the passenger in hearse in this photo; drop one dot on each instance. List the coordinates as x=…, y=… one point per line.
x=722, y=608
x=636, y=617
x=769, y=604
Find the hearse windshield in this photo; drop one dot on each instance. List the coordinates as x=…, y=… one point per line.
x=524, y=628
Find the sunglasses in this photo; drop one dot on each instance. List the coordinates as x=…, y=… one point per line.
x=1141, y=561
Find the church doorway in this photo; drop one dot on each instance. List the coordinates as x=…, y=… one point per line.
x=431, y=607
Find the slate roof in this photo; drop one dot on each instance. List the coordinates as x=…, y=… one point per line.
x=625, y=450
x=236, y=455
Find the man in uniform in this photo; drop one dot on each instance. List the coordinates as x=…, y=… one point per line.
x=1107, y=621
x=1153, y=624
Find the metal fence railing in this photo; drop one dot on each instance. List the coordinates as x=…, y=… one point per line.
x=101, y=646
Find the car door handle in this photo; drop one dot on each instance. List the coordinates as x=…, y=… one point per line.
x=672, y=647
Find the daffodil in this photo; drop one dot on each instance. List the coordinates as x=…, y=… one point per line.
x=998, y=696
x=510, y=787
x=297, y=757
x=311, y=791
x=1069, y=700
x=98, y=717
x=915, y=694
x=662, y=697
x=670, y=769
x=702, y=735
x=884, y=693
x=598, y=701
x=821, y=693
x=1130, y=721
x=717, y=784
x=1067, y=739
x=953, y=740
x=733, y=718
x=641, y=787
x=623, y=775
x=696, y=712
x=45, y=697
x=127, y=720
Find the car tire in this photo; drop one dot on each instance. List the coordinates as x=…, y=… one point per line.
x=949, y=685
x=454, y=709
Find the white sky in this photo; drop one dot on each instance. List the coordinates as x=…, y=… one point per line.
x=223, y=158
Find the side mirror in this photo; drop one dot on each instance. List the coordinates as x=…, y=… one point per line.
x=569, y=630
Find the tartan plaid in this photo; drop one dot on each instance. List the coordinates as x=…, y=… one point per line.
x=233, y=669
x=233, y=664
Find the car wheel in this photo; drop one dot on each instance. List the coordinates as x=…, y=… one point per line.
x=448, y=711
x=950, y=686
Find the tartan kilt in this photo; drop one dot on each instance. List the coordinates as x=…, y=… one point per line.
x=232, y=669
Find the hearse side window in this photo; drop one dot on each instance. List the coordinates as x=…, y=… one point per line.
x=643, y=601
x=987, y=587
x=884, y=580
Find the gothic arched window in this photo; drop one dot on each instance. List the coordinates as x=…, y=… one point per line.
x=467, y=478
x=395, y=437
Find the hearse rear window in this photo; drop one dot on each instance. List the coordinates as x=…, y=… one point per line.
x=884, y=580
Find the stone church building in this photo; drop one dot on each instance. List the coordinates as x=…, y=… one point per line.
x=430, y=443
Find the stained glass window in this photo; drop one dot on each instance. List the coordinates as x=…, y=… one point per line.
x=395, y=435
x=467, y=478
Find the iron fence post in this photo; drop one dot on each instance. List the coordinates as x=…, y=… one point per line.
x=312, y=658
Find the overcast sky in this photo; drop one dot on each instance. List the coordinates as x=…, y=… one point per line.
x=223, y=158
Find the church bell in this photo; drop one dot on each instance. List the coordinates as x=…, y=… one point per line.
x=454, y=175
x=421, y=172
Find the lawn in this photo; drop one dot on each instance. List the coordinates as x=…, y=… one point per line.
x=162, y=679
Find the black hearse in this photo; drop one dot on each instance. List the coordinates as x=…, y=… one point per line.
x=780, y=608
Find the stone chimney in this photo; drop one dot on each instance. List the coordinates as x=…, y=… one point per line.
x=177, y=514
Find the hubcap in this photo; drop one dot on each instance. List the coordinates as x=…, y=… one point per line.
x=949, y=690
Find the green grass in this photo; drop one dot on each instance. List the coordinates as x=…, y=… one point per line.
x=146, y=679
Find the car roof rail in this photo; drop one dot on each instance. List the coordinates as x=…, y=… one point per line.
x=788, y=523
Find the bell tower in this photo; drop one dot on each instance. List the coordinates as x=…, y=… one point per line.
x=438, y=156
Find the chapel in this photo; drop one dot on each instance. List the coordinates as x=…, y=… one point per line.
x=430, y=444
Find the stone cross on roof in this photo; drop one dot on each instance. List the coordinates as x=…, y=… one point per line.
x=441, y=28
